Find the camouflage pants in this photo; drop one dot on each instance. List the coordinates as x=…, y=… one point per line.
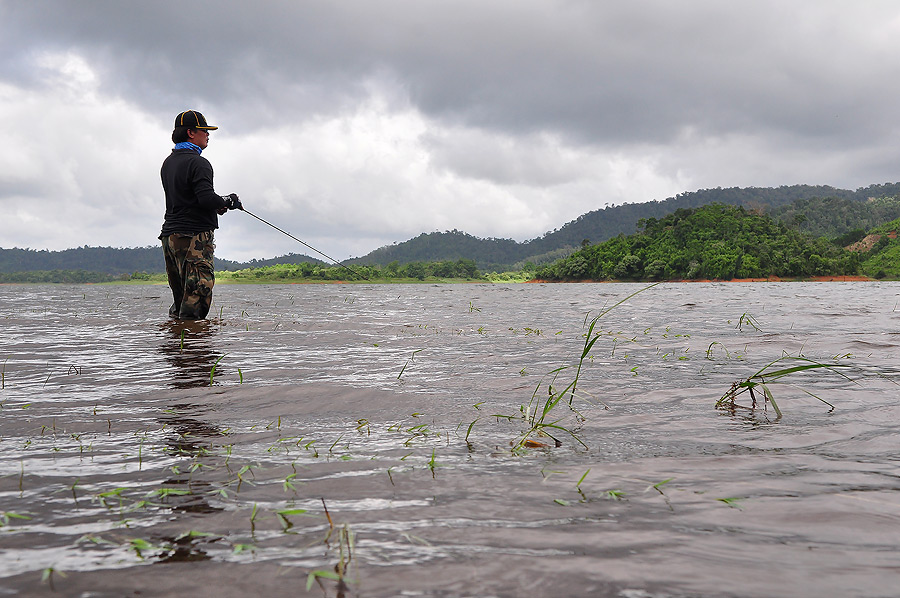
x=189, y=266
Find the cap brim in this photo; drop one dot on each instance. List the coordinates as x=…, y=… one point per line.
x=208, y=128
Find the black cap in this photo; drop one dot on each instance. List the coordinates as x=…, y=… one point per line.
x=193, y=120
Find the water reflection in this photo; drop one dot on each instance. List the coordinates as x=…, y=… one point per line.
x=187, y=347
x=191, y=440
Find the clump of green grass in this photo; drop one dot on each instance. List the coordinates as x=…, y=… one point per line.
x=140, y=546
x=212, y=372
x=6, y=516
x=748, y=320
x=709, y=350
x=537, y=413
x=282, y=515
x=346, y=547
x=408, y=361
x=47, y=576
x=773, y=373
x=734, y=503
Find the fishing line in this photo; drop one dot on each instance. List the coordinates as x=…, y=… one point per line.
x=341, y=264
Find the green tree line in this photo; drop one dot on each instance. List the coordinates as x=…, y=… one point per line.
x=711, y=242
x=57, y=276
x=448, y=269
x=113, y=260
x=304, y=271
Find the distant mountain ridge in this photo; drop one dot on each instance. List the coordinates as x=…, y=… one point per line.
x=816, y=206
x=602, y=224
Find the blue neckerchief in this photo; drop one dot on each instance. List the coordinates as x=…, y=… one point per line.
x=188, y=145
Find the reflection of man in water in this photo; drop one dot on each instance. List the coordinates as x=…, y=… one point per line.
x=189, y=438
x=187, y=347
x=191, y=217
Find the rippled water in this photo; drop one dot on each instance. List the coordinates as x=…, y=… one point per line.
x=138, y=454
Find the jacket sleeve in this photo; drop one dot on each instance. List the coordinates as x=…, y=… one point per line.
x=202, y=182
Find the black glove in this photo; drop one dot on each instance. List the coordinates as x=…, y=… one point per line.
x=232, y=202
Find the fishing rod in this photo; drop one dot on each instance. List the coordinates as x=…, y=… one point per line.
x=341, y=264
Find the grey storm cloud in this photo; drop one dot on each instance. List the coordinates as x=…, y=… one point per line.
x=596, y=72
x=509, y=118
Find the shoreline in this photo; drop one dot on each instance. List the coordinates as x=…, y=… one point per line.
x=226, y=281
x=836, y=278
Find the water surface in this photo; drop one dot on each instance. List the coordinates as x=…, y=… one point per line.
x=139, y=454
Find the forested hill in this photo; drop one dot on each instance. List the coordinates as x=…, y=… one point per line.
x=451, y=245
x=852, y=209
x=600, y=225
x=710, y=242
x=835, y=217
x=116, y=261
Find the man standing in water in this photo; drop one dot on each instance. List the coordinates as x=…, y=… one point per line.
x=192, y=208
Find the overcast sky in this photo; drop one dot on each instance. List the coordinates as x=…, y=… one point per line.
x=356, y=124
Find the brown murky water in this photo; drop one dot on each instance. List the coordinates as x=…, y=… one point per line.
x=142, y=457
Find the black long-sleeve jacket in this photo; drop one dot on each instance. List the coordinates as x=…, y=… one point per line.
x=191, y=201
